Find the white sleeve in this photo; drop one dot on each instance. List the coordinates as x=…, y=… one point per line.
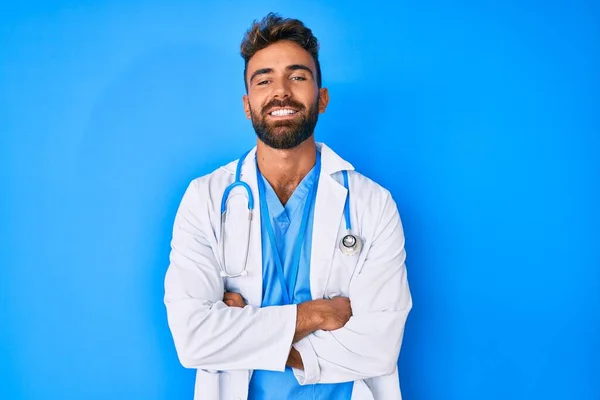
x=207, y=333
x=369, y=344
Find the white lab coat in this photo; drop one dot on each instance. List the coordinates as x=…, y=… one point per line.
x=224, y=344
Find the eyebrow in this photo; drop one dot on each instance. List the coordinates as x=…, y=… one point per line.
x=293, y=67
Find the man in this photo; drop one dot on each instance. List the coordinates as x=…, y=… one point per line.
x=304, y=314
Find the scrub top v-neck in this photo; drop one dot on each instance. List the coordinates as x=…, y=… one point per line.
x=288, y=224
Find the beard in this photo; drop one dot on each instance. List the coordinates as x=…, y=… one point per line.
x=286, y=134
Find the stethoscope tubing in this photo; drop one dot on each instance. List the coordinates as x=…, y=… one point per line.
x=347, y=250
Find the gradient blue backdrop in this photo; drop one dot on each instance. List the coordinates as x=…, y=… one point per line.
x=482, y=118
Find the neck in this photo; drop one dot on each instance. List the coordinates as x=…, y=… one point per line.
x=285, y=169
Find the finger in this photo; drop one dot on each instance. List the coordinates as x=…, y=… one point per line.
x=232, y=296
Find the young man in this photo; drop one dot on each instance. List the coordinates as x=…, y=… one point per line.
x=307, y=299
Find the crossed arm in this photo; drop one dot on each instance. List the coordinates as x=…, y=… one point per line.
x=326, y=315
x=314, y=337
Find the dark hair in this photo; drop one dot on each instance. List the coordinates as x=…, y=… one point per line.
x=274, y=28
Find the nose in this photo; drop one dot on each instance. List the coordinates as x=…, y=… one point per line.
x=281, y=89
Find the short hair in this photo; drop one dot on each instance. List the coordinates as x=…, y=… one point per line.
x=273, y=28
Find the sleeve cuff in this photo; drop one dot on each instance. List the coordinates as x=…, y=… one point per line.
x=311, y=373
x=286, y=313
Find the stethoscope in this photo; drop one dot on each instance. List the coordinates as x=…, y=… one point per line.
x=350, y=244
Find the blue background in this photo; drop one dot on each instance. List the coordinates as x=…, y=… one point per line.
x=482, y=118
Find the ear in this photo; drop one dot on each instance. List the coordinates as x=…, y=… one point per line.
x=323, y=99
x=246, y=106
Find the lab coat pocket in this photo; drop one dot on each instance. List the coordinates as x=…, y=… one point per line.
x=340, y=274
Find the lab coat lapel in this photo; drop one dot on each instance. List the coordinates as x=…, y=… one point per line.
x=329, y=209
x=252, y=283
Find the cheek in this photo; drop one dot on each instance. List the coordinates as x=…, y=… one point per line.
x=255, y=108
x=256, y=103
x=308, y=97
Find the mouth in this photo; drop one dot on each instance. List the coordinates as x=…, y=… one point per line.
x=282, y=113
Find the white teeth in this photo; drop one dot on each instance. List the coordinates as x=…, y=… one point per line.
x=282, y=112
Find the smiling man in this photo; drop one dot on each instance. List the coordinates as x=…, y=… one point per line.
x=307, y=298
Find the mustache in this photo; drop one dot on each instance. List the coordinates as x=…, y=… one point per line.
x=282, y=103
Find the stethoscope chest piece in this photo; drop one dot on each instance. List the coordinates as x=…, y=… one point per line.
x=350, y=244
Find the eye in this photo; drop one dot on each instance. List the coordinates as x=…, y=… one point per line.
x=298, y=78
x=264, y=82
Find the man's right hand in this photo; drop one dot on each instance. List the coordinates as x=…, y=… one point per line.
x=325, y=314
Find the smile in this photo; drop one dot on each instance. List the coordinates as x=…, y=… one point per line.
x=282, y=112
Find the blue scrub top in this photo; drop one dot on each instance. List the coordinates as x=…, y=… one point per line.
x=286, y=221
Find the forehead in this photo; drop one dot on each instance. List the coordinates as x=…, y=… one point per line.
x=279, y=55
